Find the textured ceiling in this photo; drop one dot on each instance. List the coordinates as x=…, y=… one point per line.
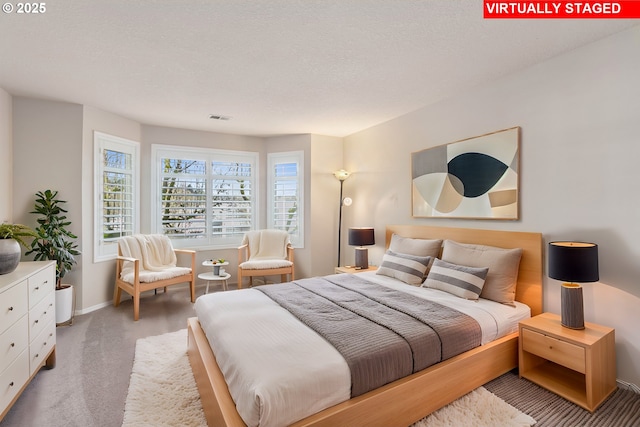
x=275, y=67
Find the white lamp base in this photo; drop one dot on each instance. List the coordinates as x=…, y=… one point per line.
x=572, y=310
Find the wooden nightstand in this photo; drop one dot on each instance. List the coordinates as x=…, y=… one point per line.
x=579, y=365
x=352, y=270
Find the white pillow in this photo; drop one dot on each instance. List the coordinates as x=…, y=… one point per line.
x=408, y=268
x=459, y=280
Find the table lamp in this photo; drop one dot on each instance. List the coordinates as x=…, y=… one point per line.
x=573, y=263
x=361, y=236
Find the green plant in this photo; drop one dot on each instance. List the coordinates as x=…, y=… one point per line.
x=53, y=241
x=16, y=232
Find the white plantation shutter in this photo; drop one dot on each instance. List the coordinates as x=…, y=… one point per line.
x=117, y=188
x=286, y=201
x=204, y=197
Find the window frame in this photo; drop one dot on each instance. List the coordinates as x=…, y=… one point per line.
x=159, y=151
x=274, y=159
x=105, y=250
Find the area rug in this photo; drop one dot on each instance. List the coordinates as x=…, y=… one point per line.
x=162, y=392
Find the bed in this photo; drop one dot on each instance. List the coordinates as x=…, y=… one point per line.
x=408, y=399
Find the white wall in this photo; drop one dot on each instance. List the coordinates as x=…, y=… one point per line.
x=579, y=119
x=6, y=157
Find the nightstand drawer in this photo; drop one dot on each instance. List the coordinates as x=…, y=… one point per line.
x=563, y=353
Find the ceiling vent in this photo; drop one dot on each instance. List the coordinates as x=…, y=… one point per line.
x=219, y=117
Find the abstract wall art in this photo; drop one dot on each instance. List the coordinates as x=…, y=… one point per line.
x=473, y=178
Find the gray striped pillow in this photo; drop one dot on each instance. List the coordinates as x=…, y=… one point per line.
x=408, y=268
x=459, y=280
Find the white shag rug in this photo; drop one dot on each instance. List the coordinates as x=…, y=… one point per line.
x=163, y=393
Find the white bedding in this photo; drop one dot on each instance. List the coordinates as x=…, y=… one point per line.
x=280, y=371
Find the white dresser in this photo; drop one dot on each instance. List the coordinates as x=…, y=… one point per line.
x=27, y=327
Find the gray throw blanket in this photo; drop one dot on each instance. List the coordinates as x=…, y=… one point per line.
x=383, y=334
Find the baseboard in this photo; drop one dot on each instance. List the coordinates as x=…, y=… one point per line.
x=628, y=386
x=92, y=308
x=179, y=287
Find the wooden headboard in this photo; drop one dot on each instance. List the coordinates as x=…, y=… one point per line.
x=529, y=288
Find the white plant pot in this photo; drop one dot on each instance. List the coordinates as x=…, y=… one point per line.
x=64, y=304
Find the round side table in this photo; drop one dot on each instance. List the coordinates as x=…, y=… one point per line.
x=210, y=277
x=216, y=266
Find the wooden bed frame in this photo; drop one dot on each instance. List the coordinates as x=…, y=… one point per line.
x=409, y=399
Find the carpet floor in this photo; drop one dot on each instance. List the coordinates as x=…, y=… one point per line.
x=621, y=409
x=163, y=393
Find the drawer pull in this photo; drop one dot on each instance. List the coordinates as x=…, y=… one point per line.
x=11, y=384
x=36, y=321
x=10, y=308
x=44, y=344
x=37, y=288
x=37, y=355
x=13, y=344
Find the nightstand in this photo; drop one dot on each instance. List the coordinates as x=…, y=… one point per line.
x=353, y=270
x=579, y=365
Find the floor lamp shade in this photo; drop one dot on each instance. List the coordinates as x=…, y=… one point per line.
x=573, y=262
x=362, y=236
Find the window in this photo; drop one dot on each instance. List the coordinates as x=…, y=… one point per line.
x=204, y=197
x=116, y=192
x=285, y=198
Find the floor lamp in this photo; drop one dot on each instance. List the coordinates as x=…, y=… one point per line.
x=342, y=175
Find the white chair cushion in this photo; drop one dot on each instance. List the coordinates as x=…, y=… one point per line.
x=265, y=264
x=153, y=276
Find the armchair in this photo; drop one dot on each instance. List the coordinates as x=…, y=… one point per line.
x=148, y=262
x=265, y=253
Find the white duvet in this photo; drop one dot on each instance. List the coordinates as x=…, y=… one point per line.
x=280, y=371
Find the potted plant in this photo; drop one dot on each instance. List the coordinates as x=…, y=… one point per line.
x=11, y=237
x=55, y=242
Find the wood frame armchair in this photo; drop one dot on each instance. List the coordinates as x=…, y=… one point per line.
x=137, y=286
x=244, y=254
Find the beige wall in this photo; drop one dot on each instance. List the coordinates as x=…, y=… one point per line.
x=324, y=197
x=96, y=288
x=579, y=169
x=6, y=157
x=47, y=154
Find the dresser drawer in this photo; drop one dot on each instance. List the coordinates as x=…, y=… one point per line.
x=563, y=353
x=13, y=378
x=13, y=341
x=41, y=346
x=40, y=284
x=13, y=305
x=41, y=315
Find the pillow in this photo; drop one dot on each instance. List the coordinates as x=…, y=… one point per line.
x=459, y=280
x=500, y=284
x=418, y=247
x=408, y=268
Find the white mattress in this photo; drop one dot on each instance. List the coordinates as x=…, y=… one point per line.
x=280, y=371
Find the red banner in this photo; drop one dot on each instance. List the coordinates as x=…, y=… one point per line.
x=517, y=9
